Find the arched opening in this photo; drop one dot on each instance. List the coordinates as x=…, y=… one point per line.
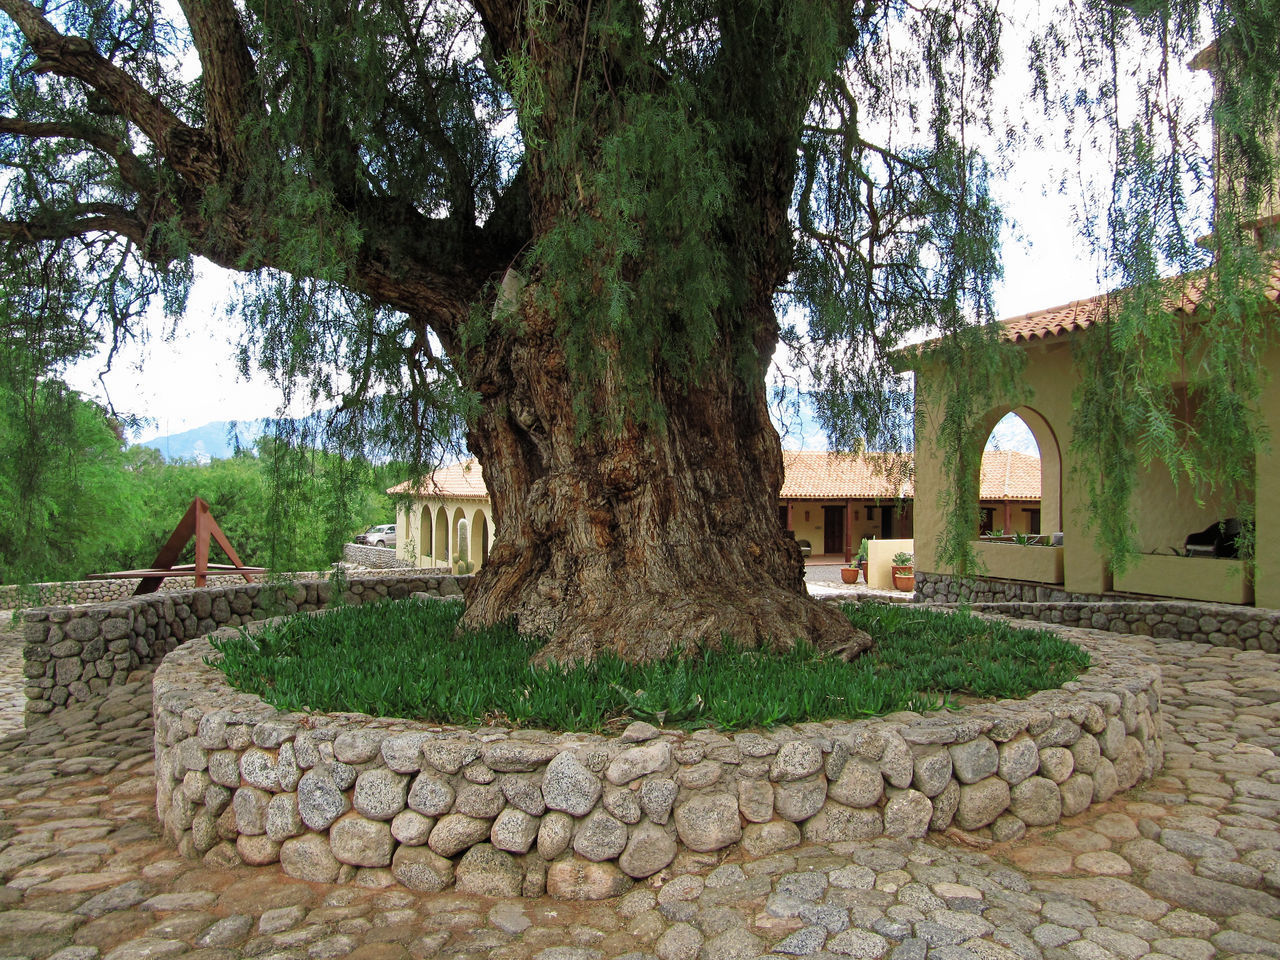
x=1021, y=448
x=423, y=547
x=479, y=538
x=457, y=531
x=441, y=554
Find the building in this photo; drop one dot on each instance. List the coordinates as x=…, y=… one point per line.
x=830, y=500
x=1164, y=514
x=833, y=501
x=448, y=508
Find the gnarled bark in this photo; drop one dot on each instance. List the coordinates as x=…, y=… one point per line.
x=641, y=543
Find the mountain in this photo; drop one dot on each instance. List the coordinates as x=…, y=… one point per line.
x=217, y=440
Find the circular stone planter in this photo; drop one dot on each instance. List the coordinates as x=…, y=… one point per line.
x=352, y=798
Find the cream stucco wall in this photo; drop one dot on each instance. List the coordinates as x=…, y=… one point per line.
x=427, y=530
x=1050, y=379
x=1164, y=512
x=1266, y=494
x=880, y=555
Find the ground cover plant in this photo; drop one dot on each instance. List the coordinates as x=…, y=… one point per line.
x=408, y=659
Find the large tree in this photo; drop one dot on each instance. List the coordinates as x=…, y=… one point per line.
x=571, y=221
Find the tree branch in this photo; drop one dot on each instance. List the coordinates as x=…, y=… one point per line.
x=188, y=150
x=230, y=74
x=132, y=170
x=501, y=20
x=81, y=220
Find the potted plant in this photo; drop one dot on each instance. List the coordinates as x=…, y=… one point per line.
x=863, y=549
x=903, y=571
x=849, y=573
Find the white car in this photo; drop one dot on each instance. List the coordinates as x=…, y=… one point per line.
x=383, y=535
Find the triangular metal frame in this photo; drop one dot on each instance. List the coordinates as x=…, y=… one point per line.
x=197, y=522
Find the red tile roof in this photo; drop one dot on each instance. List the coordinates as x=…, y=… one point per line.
x=810, y=475
x=818, y=475
x=1009, y=475
x=458, y=481
x=1082, y=314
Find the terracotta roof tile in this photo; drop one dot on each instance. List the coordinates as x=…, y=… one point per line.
x=1082, y=314
x=817, y=475
x=810, y=475
x=458, y=481
x=1009, y=475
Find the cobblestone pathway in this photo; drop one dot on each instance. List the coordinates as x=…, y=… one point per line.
x=1188, y=867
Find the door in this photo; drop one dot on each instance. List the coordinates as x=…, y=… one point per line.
x=833, y=529
x=886, y=523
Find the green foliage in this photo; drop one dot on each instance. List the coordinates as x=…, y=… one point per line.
x=975, y=372
x=903, y=559
x=74, y=501
x=1165, y=391
x=65, y=508
x=408, y=659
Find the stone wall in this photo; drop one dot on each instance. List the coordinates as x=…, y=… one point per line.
x=378, y=558
x=15, y=596
x=73, y=652
x=1220, y=624
x=502, y=812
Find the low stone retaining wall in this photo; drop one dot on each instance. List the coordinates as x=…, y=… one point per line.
x=72, y=653
x=944, y=588
x=501, y=812
x=379, y=558
x=14, y=596
x=1220, y=624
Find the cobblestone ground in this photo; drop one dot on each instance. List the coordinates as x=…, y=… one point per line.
x=1188, y=867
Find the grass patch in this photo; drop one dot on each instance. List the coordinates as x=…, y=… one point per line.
x=405, y=659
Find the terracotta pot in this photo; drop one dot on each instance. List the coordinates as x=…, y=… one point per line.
x=849, y=574
x=862, y=565
x=904, y=579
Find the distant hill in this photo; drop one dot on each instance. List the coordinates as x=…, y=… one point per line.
x=213, y=441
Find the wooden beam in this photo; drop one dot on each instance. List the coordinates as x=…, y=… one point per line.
x=848, y=531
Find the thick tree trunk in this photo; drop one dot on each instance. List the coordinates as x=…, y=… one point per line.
x=640, y=543
x=636, y=533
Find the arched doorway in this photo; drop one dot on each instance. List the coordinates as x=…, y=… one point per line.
x=1016, y=437
x=479, y=538
x=441, y=553
x=423, y=546
x=457, y=531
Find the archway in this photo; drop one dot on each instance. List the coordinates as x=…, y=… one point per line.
x=441, y=553
x=424, y=533
x=1013, y=435
x=458, y=533
x=479, y=538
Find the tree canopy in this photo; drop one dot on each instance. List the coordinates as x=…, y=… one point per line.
x=571, y=227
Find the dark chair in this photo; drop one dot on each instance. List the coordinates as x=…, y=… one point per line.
x=1216, y=540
